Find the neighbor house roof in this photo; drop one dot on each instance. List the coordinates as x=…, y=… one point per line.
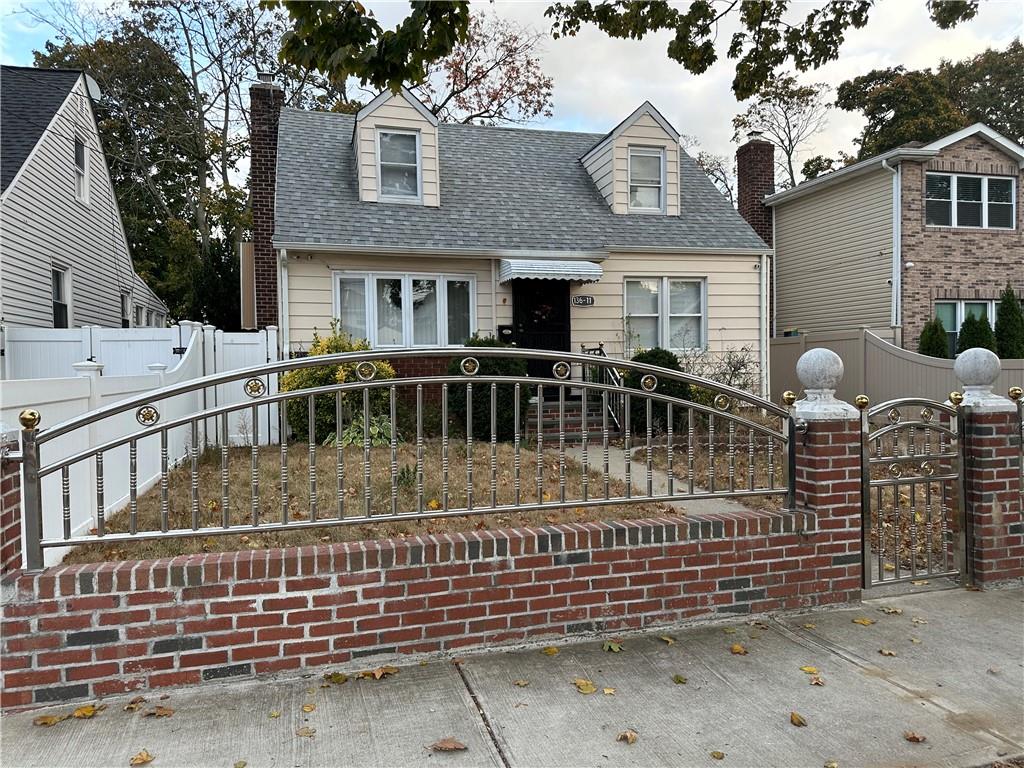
x=29, y=98
x=503, y=190
x=913, y=150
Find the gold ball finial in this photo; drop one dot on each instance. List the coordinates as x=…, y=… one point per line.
x=789, y=397
x=862, y=401
x=29, y=418
x=1016, y=393
x=956, y=397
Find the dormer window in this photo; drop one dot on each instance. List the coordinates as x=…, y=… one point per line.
x=646, y=179
x=398, y=165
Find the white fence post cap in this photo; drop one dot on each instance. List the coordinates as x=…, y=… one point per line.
x=977, y=369
x=820, y=371
x=88, y=368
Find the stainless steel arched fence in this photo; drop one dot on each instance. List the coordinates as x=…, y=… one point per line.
x=368, y=447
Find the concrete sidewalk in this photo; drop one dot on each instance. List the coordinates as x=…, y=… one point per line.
x=960, y=687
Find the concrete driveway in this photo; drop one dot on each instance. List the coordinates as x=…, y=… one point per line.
x=959, y=686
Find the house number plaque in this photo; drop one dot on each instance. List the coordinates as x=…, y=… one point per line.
x=583, y=301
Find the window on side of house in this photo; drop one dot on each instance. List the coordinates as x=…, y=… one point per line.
x=961, y=200
x=59, y=289
x=398, y=165
x=665, y=312
x=139, y=315
x=125, y=314
x=81, y=171
x=953, y=312
x=394, y=310
x=646, y=179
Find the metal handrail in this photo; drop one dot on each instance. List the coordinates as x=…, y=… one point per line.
x=610, y=375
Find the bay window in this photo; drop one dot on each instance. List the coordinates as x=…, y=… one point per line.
x=398, y=310
x=961, y=200
x=665, y=312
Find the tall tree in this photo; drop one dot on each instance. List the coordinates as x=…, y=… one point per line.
x=342, y=39
x=720, y=169
x=989, y=88
x=788, y=115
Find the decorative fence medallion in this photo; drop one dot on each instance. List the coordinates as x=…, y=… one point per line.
x=147, y=415
x=895, y=470
x=649, y=382
x=927, y=414
x=366, y=370
x=561, y=370
x=469, y=366
x=722, y=402
x=927, y=468
x=894, y=416
x=255, y=387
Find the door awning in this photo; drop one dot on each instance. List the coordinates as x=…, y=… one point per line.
x=549, y=269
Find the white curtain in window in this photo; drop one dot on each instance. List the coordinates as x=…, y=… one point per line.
x=424, y=311
x=352, y=309
x=458, y=311
x=389, y=312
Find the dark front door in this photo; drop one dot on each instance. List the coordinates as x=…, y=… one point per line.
x=540, y=316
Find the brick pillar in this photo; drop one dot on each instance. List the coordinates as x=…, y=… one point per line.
x=265, y=99
x=992, y=473
x=828, y=474
x=10, y=509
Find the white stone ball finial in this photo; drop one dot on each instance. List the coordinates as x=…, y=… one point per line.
x=820, y=371
x=977, y=369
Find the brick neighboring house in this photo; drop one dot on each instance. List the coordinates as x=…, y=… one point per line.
x=891, y=241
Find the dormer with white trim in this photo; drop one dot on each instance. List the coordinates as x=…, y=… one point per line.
x=395, y=142
x=636, y=165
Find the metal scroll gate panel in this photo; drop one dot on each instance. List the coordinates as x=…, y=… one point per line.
x=367, y=445
x=912, y=494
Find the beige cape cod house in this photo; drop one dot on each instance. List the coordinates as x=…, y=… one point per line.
x=415, y=233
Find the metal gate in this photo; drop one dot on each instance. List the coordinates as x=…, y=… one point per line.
x=912, y=460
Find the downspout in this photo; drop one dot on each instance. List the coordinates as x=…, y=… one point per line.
x=895, y=309
x=283, y=324
x=494, y=300
x=762, y=320
x=775, y=283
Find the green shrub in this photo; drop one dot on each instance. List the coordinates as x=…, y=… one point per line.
x=323, y=376
x=975, y=332
x=666, y=386
x=1009, y=325
x=934, y=341
x=504, y=395
x=352, y=434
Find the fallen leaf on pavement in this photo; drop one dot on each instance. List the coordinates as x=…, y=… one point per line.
x=159, y=711
x=240, y=764
x=797, y=719
x=308, y=707
x=141, y=759
x=915, y=640
x=306, y=731
x=887, y=651
x=521, y=683
x=274, y=714
x=817, y=680
x=584, y=686
x=738, y=649
x=134, y=704
x=611, y=646
x=678, y=679
x=628, y=736
x=379, y=672
x=914, y=738
x=458, y=662
x=919, y=582
x=88, y=710
x=992, y=671
x=831, y=764
x=447, y=745
x=809, y=625
x=889, y=567
x=608, y=691
x=864, y=621
x=668, y=639
x=890, y=611
x=336, y=677
x=48, y=720
x=716, y=755
x=729, y=630
x=919, y=620
x=809, y=670
x=550, y=651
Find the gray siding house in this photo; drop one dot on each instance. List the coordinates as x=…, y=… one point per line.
x=64, y=259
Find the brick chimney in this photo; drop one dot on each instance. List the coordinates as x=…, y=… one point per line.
x=755, y=171
x=265, y=101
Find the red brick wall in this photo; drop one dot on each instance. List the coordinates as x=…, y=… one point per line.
x=265, y=104
x=755, y=179
x=993, y=497
x=89, y=631
x=10, y=512
x=955, y=263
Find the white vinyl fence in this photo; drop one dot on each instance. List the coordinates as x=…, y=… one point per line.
x=207, y=351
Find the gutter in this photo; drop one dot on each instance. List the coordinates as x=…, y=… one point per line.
x=458, y=253
x=282, y=287
x=896, y=281
x=693, y=250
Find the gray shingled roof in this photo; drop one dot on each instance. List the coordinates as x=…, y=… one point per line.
x=501, y=189
x=29, y=98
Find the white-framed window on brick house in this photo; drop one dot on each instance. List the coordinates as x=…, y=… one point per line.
x=391, y=309
x=647, y=179
x=969, y=200
x=953, y=312
x=667, y=312
x=399, y=166
x=81, y=171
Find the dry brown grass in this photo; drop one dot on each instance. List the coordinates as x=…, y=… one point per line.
x=239, y=494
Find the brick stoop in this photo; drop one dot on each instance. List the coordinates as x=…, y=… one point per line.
x=99, y=629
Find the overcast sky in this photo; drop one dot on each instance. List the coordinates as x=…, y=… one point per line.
x=598, y=81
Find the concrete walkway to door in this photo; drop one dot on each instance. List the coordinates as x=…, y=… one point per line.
x=945, y=693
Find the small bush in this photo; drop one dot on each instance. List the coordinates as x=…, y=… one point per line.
x=1009, y=325
x=504, y=395
x=934, y=341
x=323, y=376
x=975, y=332
x=666, y=386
